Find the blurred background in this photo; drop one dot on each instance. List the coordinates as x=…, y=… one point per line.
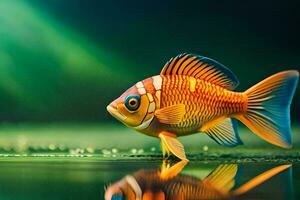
x=64, y=61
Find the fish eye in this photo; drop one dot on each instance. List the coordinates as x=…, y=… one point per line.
x=117, y=197
x=132, y=102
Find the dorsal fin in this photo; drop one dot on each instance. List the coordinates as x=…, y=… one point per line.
x=202, y=68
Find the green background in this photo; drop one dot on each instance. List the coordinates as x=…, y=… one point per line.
x=66, y=60
x=63, y=61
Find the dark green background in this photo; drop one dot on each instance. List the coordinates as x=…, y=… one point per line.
x=66, y=60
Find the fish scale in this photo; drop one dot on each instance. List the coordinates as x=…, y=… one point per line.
x=189, y=188
x=208, y=101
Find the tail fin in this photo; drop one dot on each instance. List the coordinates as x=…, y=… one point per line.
x=268, y=110
x=259, y=179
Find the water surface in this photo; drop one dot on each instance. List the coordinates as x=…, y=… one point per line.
x=86, y=178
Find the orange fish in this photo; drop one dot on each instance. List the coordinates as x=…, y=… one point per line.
x=152, y=184
x=196, y=94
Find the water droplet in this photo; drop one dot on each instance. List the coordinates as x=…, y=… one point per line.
x=134, y=151
x=114, y=150
x=72, y=151
x=205, y=148
x=80, y=151
x=90, y=150
x=76, y=151
x=153, y=149
x=140, y=151
x=62, y=148
x=52, y=147
x=106, y=152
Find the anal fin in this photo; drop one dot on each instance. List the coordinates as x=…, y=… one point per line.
x=224, y=132
x=222, y=178
x=171, y=144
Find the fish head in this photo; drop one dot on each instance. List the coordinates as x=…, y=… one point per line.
x=120, y=190
x=115, y=191
x=131, y=108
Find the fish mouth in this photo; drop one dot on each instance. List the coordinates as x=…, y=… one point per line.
x=114, y=112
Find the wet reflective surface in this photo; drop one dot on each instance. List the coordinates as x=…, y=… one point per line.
x=220, y=183
x=87, y=179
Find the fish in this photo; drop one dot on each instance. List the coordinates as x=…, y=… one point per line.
x=156, y=184
x=195, y=94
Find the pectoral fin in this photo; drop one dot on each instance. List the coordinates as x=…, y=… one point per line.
x=171, y=114
x=171, y=144
x=168, y=172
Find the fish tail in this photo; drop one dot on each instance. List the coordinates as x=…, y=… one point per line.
x=268, y=108
x=261, y=178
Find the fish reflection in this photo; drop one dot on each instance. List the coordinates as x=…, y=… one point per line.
x=167, y=183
